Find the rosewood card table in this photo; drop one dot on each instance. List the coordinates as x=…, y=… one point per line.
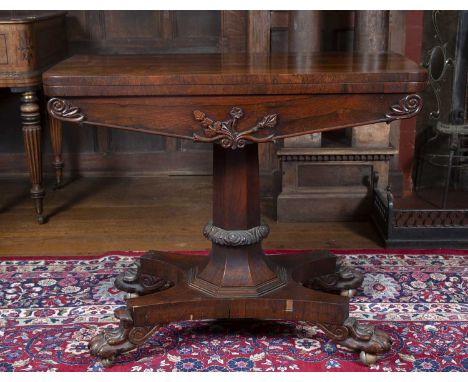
x=236, y=102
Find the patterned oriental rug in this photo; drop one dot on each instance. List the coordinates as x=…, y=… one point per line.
x=51, y=307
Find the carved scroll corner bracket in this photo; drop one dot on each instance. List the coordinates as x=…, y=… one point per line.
x=407, y=107
x=64, y=110
x=225, y=132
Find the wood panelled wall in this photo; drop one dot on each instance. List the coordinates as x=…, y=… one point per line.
x=97, y=150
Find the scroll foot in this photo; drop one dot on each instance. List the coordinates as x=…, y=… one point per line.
x=344, y=280
x=137, y=283
x=365, y=338
x=111, y=342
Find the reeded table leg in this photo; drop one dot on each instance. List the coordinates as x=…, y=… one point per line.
x=55, y=128
x=30, y=119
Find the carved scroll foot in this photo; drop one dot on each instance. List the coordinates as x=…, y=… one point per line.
x=344, y=280
x=365, y=338
x=136, y=282
x=112, y=342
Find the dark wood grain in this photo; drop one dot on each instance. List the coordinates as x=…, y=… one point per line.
x=219, y=99
x=298, y=114
x=144, y=212
x=206, y=74
x=22, y=33
x=233, y=30
x=233, y=270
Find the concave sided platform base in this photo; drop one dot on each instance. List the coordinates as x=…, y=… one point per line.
x=237, y=280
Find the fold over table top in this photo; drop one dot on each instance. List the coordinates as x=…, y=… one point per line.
x=233, y=74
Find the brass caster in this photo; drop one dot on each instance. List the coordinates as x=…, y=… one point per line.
x=367, y=358
x=107, y=362
x=131, y=295
x=348, y=292
x=40, y=219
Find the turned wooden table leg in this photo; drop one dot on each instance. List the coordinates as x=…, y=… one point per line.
x=30, y=119
x=55, y=128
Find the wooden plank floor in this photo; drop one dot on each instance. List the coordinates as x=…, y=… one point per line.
x=90, y=216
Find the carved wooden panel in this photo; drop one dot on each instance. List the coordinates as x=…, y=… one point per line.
x=132, y=24
x=144, y=31
x=329, y=175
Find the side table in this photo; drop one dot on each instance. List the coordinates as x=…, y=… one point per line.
x=31, y=42
x=236, y=102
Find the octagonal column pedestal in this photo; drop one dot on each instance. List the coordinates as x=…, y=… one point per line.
x=237, y=265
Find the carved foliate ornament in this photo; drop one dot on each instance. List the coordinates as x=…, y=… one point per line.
x=226, y=132
x=234, y=238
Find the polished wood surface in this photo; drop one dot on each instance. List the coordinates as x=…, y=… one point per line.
x=207, y=74
x=295, y=87
x=173, y=116
x=237, y=280
x=137, y=213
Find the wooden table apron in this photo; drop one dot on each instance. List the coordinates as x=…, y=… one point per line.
x=236, y=280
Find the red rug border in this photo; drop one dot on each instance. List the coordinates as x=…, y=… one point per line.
x=271, y=252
